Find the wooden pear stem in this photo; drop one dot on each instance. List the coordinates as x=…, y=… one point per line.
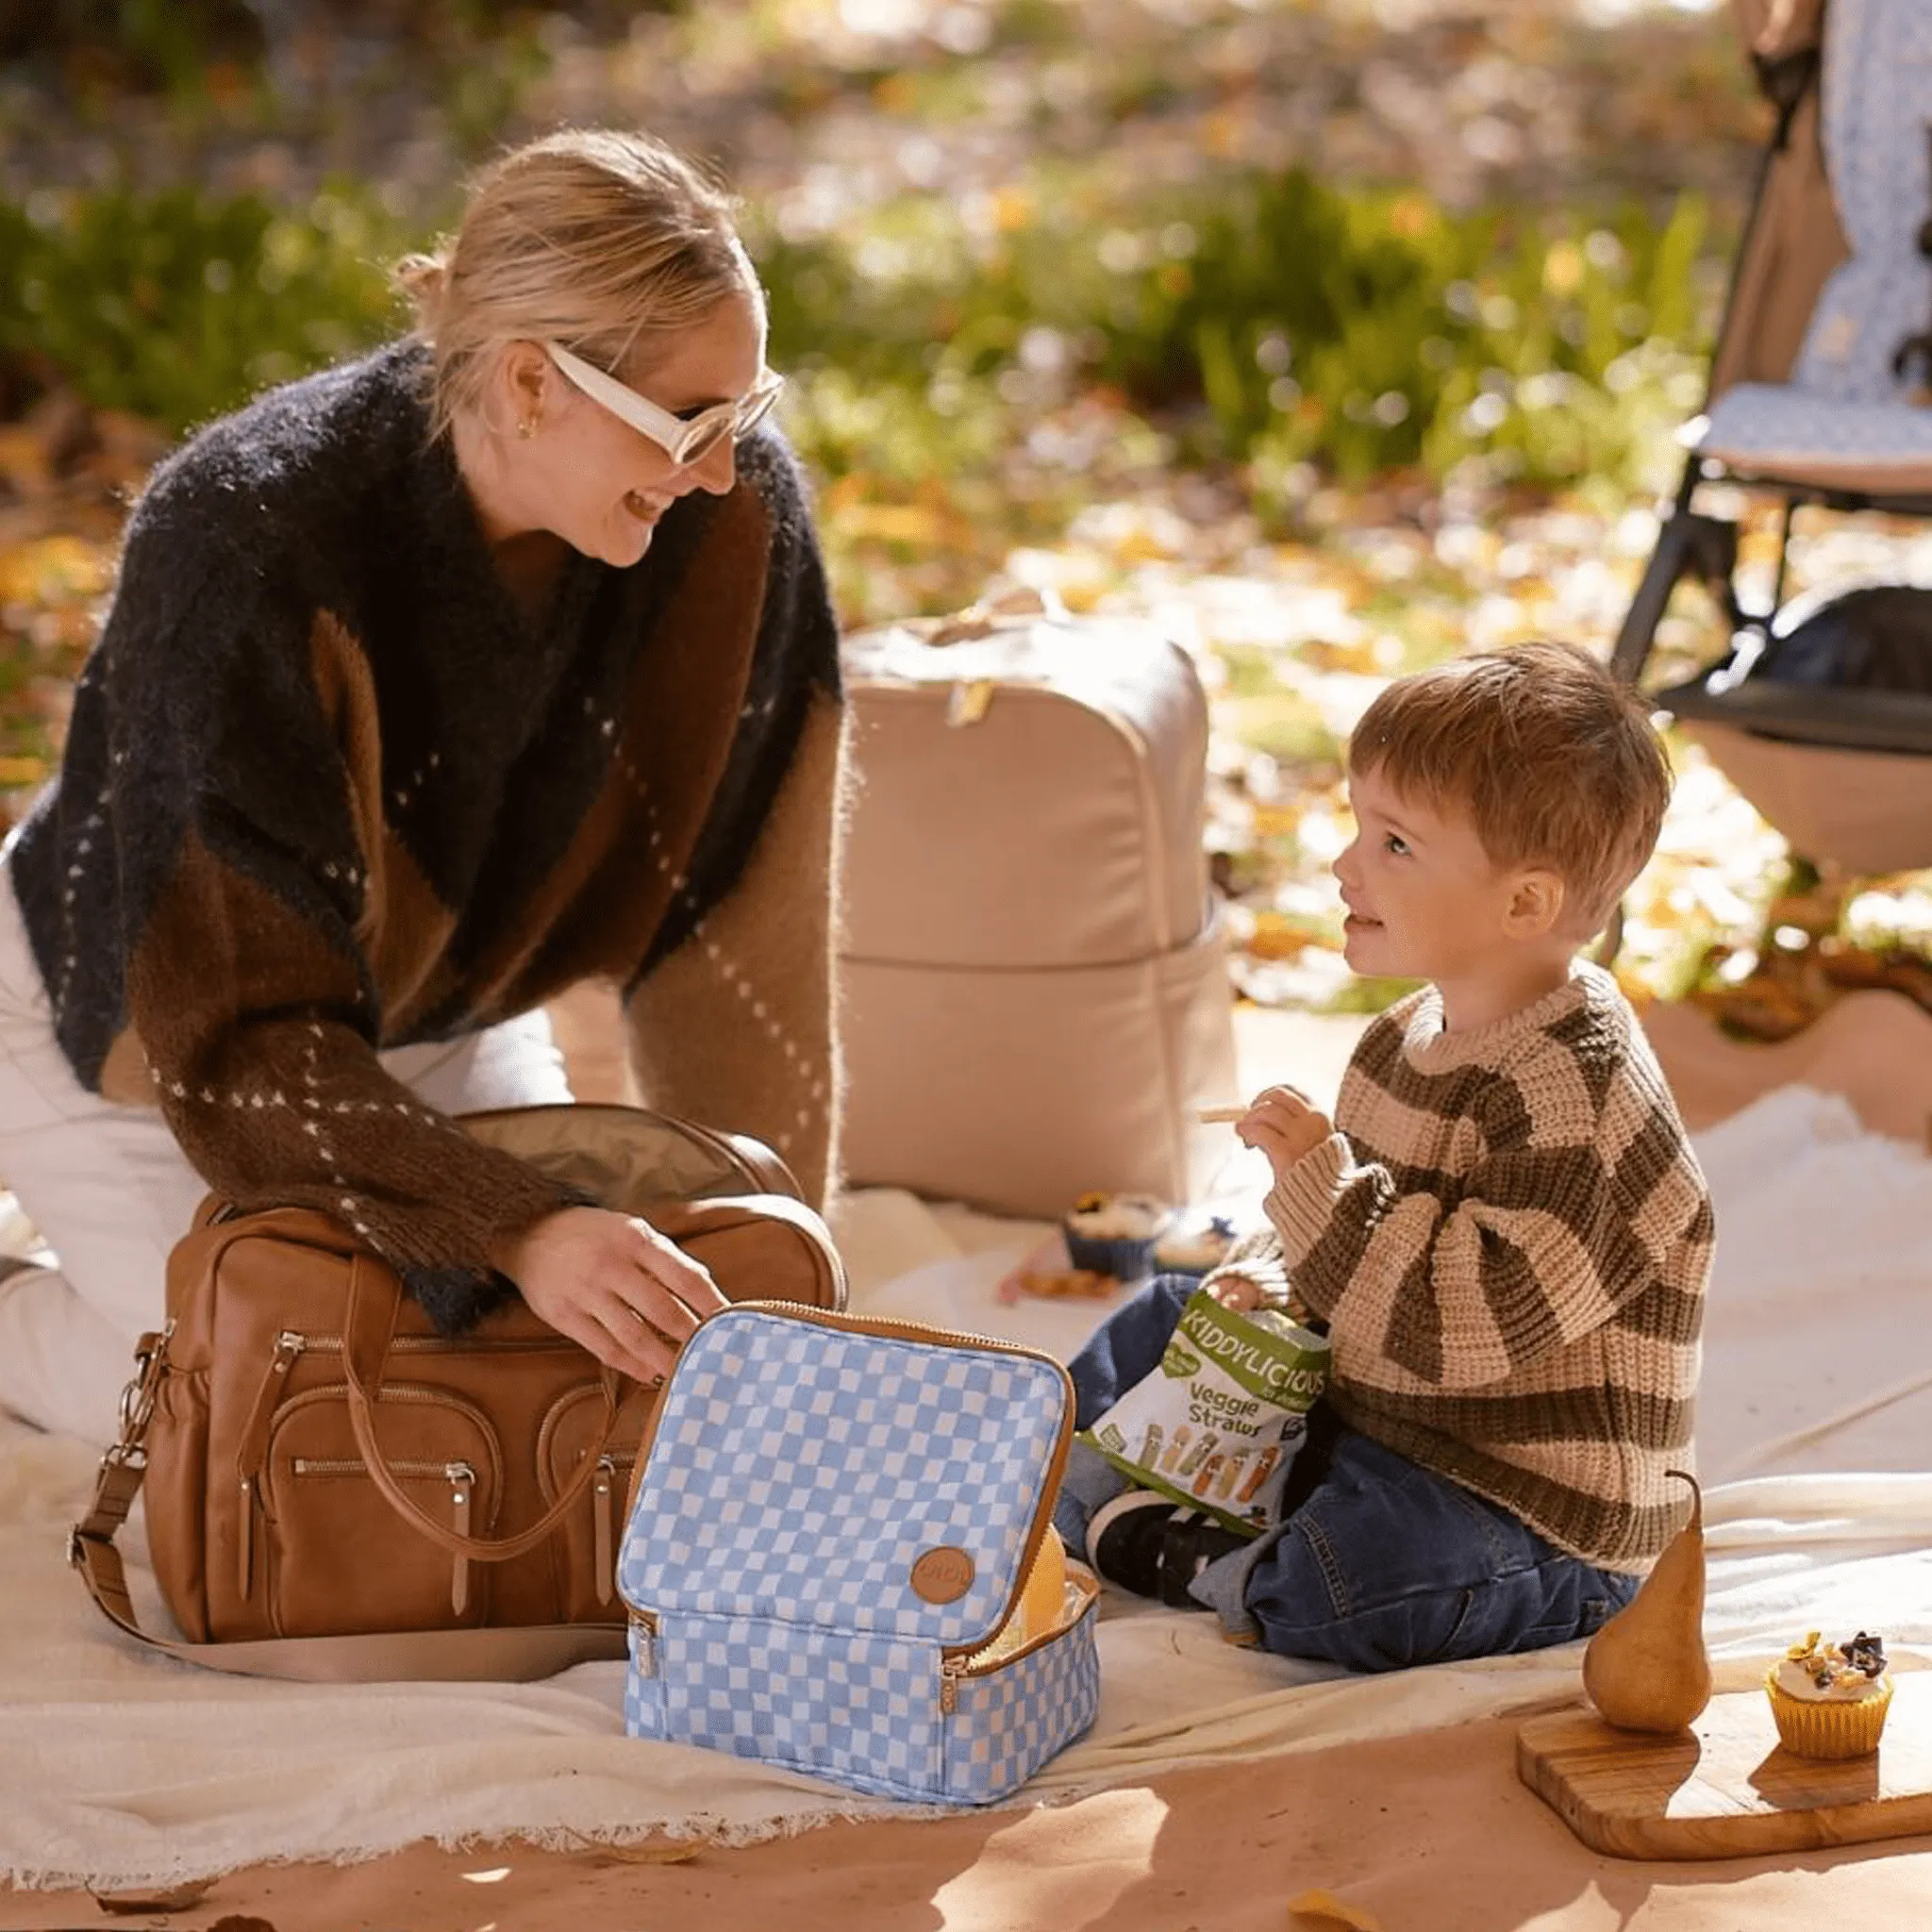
x=1684, y=1475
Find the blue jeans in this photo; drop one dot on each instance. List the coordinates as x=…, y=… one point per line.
x=1379, y=1565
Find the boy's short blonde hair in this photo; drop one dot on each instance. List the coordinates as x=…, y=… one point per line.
x=1553, y=761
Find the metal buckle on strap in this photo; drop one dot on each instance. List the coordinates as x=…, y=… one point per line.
x=139, y=1397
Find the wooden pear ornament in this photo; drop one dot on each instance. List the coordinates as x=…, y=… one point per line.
x=1647, y=1670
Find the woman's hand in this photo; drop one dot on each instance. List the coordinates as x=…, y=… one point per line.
x=1284, y=1125
x=614, y=1284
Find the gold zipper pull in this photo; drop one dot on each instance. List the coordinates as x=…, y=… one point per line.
x=602, y=1490
x=462, y=1486
x=244, y=1554
x=951, y=1671
x=289, y=1346
x=644, y=1646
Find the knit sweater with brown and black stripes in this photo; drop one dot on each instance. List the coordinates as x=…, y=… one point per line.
x=329, y=788
x=1509, y=1239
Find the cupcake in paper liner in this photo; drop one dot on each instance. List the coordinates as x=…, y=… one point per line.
x=1192, y=1247
x=1114, y=1234
x=1830, y=1701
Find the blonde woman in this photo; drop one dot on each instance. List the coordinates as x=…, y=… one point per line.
x=495, y=661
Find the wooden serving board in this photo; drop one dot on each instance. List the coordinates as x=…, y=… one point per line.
x=1726, y=1788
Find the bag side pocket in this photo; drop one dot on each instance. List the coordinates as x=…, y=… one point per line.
x=181, y=1514
x=584, y=1549
x=322, y=1514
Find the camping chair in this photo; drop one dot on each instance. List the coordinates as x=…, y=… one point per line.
x=1804, y=402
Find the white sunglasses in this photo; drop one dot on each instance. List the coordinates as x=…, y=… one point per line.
x=684, y=440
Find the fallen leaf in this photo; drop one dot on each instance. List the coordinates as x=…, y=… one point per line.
x=174, y=1899
x=893, y=523
x=1325, y=1905
x=24, y=460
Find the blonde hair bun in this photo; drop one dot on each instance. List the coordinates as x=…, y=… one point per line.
x=421, y=278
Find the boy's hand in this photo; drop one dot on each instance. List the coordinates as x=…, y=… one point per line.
x=1236, y=1291
x=1284, y=1125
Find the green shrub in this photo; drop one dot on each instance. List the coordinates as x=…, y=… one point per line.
x=1271, y=320
x=139, y=43
x=174, y=307
x=1278, y=319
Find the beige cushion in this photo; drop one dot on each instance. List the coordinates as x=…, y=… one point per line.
x=1035, y=996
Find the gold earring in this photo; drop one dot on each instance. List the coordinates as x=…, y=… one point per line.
x=528, y=428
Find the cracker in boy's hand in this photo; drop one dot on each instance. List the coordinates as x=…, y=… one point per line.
x=1221, y=1116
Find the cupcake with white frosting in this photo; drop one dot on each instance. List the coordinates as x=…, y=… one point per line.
x=1114, y=1234
x=1830, y=1701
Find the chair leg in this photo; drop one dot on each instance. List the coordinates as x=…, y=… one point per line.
x=1668, y=562
x=1690, y=545
x=1714, y=562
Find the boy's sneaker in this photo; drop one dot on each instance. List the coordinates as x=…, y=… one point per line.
x=1125, y=1536
x=1148, y=1543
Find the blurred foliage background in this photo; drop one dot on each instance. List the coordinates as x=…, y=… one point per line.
x=1338, y=334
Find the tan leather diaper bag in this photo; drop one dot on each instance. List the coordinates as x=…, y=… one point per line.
x=337, y=1490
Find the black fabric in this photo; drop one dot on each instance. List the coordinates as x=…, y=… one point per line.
x=1852, y=670
x=1876, y=638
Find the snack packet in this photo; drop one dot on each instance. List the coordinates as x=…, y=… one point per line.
x=1217, y=1424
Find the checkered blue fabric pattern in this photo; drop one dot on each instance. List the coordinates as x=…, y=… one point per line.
x=1008, y=1722
x=798, y=1471
x=860, y=1709
x=1774, y=429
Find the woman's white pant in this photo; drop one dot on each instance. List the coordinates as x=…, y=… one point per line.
x=110, y=1191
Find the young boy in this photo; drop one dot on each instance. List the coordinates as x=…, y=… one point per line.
x=1504, y=1230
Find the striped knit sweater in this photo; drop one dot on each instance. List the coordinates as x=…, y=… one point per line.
x=1509, y=1239
x=327, y=790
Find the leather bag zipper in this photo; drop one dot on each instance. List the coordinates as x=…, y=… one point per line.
x=459, y=1474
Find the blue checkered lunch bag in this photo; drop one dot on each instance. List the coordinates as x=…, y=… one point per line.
x=832, y=1519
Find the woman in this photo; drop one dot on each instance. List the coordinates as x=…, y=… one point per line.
x=498, y=660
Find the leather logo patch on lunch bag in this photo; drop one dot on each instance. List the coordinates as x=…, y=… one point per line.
x=942, y=1575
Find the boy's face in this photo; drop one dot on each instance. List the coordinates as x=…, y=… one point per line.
x=1425, y=901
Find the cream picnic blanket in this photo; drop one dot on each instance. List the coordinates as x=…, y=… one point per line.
x=119, y=1768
